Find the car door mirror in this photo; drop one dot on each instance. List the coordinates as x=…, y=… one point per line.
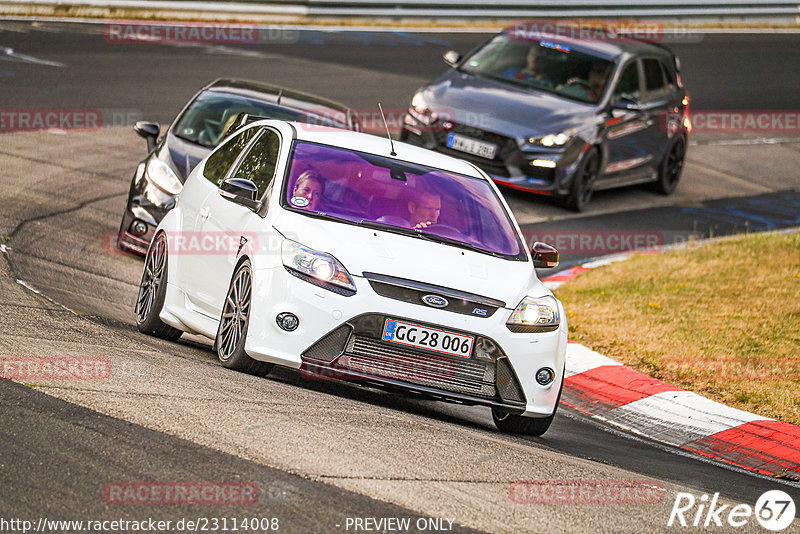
x=544, y=256
x=148, y=130
x=451, y=57
x=627, y=104
x=240, y=191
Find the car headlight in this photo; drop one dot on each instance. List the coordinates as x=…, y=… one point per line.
x=317, y=265
x=538, y=314
x=550, y=140
x=159, y=174
x=419, y=110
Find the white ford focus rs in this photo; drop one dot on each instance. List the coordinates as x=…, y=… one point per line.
x=333, y=252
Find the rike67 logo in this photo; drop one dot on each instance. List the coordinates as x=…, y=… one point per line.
x=774, y=510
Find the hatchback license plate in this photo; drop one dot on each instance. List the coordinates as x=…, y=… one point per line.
x=422, y=337
x=471, y=146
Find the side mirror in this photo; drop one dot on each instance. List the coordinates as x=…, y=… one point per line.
x=242, y=192
x=451, y=57
x=148, y=130
x=544, y=256
x=626, y=104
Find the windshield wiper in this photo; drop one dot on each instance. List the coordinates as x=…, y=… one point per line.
x=421, y=234
x=457, y=243
x=375, y=225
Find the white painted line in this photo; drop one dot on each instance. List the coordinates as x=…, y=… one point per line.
x=553, y=285
x=26, y=285
x=28, y=59
x=581, y=359
x=678, y=417
x=607, y=260
x=756, y=141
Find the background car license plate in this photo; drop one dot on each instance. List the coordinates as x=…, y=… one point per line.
x=472, y=146
x=427, y=338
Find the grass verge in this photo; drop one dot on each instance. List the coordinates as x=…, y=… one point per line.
x=721, y=319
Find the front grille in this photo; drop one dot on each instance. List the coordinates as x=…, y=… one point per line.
x=379, y=359
x=506, y=146
x=413, y=292
x=357, y=346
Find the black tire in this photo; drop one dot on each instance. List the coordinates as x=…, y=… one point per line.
x=153, y=291
x=671, y=167
x=529, y=426
x=233, y=325
x=582, y=187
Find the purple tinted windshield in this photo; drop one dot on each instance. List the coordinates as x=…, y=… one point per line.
x=375, y=190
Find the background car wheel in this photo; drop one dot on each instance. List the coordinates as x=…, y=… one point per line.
x=233, y=325
x=671, y=168
x=530, y=426
x=583, y=182
x=153, y=291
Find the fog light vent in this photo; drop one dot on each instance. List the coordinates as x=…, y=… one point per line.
x=507, y=385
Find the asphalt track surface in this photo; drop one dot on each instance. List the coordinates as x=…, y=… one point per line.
x=319, y=451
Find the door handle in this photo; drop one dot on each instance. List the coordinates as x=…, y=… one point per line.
x=204, y=213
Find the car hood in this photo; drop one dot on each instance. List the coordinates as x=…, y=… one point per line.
x=502, y=107
x=182, y=156
x=363, y=250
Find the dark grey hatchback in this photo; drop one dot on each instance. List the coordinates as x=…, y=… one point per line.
x=559, y=117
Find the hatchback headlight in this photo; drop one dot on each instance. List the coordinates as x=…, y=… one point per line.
x=159, y=174
x=538, y=314
x=419, y=110
x=318, y=265
x=550, y=140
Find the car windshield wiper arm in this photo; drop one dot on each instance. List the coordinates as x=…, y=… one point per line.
x=458, y=243
x=375, y=225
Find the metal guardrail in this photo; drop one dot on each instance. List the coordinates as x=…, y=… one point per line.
x=553, y=8
x=453, y=9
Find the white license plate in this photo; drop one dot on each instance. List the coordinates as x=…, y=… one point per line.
x=422, y=337
x=471, y=146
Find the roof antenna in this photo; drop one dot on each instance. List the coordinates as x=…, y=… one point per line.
x=280, y=94
x=391, y=143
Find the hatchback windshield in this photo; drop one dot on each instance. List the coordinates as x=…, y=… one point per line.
x=543, y=65
x=208, y=117
x=401, y=197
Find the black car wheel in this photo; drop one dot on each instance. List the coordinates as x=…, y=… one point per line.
x=233, y=324
x=530, y=426
x=153, y=291
x=671, y=168
x=582, y=185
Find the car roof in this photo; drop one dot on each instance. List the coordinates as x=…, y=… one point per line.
x=607, y=49
x=289, y=98
x=378, y=145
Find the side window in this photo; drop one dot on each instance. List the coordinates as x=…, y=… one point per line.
x=653, y=77
x=220, y=162
x=259, y=163
x=628, y=85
